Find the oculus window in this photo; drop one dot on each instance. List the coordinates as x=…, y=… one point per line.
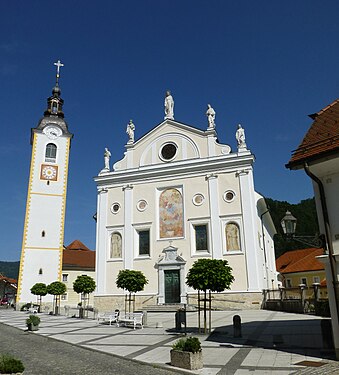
x=168, y=151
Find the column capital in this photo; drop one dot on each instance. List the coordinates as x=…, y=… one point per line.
x=127, y=187
x=211, y=176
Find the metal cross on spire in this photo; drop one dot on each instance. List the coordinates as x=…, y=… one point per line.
x=58, y=64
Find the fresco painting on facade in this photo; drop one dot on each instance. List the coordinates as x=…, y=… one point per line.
x=171, y=214
x=116, y=245
x=232, y=237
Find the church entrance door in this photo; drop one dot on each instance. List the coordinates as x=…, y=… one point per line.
x=172, y=286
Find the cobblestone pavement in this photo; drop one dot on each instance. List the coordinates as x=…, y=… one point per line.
x=271, y=343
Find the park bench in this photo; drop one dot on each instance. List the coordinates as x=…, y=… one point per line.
x=111, y=317
x=131, y=319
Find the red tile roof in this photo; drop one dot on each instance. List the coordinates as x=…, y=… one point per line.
x=300, y=261
x=8, y=279
x=77, y=256
x=322, y=138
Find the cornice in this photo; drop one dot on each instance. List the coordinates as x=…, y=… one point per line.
x=181, y=169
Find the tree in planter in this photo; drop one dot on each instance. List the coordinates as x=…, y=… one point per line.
x=213, y=275
x=85, y=285
x=133, y=281
x=39, y=290
x=56, y=288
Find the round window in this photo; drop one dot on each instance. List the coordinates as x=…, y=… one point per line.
x=168, y=151
x=115, y=208
x=229, y=196
x=198, y=199
x=141, y=205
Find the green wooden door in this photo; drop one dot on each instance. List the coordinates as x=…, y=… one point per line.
x=172, y=286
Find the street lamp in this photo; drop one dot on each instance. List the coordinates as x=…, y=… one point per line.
x=289, y=224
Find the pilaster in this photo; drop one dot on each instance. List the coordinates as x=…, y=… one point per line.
x=101, y=240
x=216, y=242
x=250, y=234
x=128, y=237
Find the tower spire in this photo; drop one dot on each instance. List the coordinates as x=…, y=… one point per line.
x=58, y=64
x=54, y=102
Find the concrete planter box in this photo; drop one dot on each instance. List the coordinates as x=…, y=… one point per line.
x=32, y=327
x=186, y=360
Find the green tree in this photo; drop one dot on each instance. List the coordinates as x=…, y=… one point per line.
x=85, y=285
x=56, y=288
x=133, y=281
x=214, y=275
x=39, y=290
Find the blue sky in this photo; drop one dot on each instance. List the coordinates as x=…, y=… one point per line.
x=264, y=64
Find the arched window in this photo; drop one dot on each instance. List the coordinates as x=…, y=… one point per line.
x=232, y=237
x=116, y=245
x=171, y=218
x=51, y=151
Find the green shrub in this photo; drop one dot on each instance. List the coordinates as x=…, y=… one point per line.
x=33, y=319
x=188, y=344
x=10, y=365
x=322, y=308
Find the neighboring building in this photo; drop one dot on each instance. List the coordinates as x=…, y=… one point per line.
x=318, y=155
x=8, y=289
x=178, y=195
x=302, y=267
x=43, y=237
x=77, y=260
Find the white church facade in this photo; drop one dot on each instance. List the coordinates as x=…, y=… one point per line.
x=176, y=196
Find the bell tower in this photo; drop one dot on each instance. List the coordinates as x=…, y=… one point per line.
x=43, y=237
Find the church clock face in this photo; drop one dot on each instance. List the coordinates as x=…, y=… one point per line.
x=52, y=132
x=49, y=172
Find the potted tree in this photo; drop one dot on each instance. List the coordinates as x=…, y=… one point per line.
x=133, y=281
x=186, y=353
x=56, y=288
x=85, y=285
x=39, y=290
x=33, y=322
x=213, y=275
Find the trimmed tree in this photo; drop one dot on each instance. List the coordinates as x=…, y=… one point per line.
x=133, y=281
x=56, y=288
x=213, y=275
x=39, y=290
x=85, y=285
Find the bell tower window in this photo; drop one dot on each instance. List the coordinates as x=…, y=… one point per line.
x=50, y=154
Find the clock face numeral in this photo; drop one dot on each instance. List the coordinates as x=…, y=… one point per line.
x=49, y=172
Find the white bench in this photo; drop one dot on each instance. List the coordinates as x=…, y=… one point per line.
x=134, y=319
x=111, y=317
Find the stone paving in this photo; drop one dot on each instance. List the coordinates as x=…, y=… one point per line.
x=271, y=343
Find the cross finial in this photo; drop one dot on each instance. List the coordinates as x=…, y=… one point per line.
x=58, y=64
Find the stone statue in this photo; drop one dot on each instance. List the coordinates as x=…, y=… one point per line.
x=169, y=106
x=107, y=156
x=130, y=131
x=210, y=113
x=240, y=136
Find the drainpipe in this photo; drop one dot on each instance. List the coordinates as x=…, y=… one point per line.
x=327, y=234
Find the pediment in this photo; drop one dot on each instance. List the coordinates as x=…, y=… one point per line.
x=170, y=142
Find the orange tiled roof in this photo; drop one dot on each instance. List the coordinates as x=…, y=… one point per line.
x=322, y=138
x=8, y=279
x=79, y=257
x=300, y=261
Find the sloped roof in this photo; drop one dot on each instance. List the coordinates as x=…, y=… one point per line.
x=322, y=138
x=300, y=261
x=77, y=256
x=8, y=280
